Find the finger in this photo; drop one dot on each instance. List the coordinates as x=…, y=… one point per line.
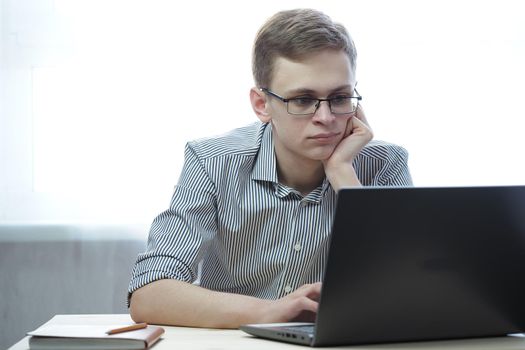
x=354, y=125
x=311, y=291
x=315, y=291
x=358, y=123
x=310, y=287
x=307, y=304
x=314, y=295
x=360, y=114
x=349, y=126
x=360, y=128
x=301, y=307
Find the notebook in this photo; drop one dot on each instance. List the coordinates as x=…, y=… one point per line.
x=411, y=264
x=90, y=332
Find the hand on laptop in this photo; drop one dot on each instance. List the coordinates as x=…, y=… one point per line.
x=299, y=306
x=338, y=167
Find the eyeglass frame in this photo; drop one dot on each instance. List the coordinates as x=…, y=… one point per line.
x=317, y=105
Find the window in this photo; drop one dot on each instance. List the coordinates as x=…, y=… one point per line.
x=96, y=96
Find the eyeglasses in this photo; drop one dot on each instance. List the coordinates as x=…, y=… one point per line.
x=339, y=104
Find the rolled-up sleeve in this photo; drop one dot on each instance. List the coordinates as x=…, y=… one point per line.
x=180, y=235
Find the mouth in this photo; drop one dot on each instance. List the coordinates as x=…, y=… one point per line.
x=328, y=137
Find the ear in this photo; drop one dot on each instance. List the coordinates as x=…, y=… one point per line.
x=258, y=100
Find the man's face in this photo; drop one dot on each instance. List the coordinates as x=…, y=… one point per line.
x=309, y=138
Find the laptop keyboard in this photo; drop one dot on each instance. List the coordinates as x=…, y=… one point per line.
x=303, y=329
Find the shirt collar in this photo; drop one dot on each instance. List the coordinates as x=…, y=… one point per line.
x=265, y=168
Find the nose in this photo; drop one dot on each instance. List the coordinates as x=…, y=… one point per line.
x=323, y=114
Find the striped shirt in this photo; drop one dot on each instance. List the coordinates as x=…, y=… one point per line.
x=232, y=227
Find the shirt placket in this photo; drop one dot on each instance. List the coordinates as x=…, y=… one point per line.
x=295, y=251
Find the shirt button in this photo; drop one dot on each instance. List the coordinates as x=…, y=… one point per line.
x=288, y=289
x=297, y=247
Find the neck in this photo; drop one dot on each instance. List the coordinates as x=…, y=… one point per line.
x=304, y=175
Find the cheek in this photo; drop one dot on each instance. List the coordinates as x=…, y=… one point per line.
x=289, y=129
x=285, y=131
x=290, y=135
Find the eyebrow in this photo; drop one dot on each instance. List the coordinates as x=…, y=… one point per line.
x=313, y=92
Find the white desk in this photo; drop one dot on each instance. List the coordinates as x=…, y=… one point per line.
x=218, y=339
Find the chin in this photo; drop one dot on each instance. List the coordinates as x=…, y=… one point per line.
x=321, y=155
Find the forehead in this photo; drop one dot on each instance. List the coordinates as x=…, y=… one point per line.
x=321, y=72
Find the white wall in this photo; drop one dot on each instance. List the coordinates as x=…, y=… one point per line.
x=99, y=97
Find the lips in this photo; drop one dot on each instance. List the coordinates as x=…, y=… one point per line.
x=325, y=137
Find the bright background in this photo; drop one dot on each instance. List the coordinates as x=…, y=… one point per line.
x=98, y=97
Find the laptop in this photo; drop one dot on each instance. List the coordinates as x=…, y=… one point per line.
x=414, y=264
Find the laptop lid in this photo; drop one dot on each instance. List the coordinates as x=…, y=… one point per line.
x=410, y=264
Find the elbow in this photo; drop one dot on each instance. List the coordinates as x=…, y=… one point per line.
x=137, y=308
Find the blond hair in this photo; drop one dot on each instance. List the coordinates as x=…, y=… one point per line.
x=293, y=34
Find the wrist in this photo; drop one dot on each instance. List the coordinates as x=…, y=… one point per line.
x=252, y=310
x=342, y=176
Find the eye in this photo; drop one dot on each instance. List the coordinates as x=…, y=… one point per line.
x=340, y=100
x=303, y=101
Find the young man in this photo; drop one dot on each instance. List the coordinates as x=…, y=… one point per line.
x=246, y=236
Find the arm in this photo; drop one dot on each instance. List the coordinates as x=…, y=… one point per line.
x=338, y=168
x=161, y=289
x=179, y=303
